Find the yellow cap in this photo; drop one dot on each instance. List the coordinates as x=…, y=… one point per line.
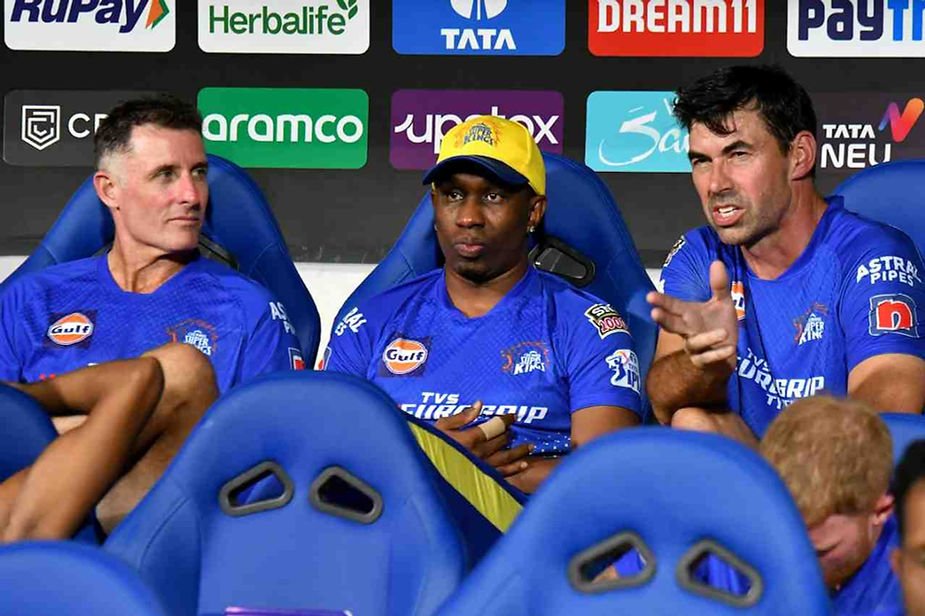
x=503, y=147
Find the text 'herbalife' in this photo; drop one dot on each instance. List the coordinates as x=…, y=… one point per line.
x=286, y=127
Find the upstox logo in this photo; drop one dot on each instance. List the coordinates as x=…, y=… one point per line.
x=284, y=26
x=634, y=131
x=856, y=28
x=676, y=27
x=286, y=127
x=90, y=25
x=470, y=27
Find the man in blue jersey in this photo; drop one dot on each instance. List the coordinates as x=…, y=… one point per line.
x=783, y=294
x=836, y=458
x=908, y=557
x=488, y=335
x=152, y=287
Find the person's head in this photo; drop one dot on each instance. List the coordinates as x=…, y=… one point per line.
x=908, y=559
x=151, y=174
x=752, y=143
x=835, y=456
x=488, y=193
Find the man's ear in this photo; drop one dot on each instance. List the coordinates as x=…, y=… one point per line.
x=106, y=189
x=883, y=509
x=802, y=155
x=537, y=210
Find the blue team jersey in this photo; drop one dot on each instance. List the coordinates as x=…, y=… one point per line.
x=874, y=589
x=543, y=352
x=855, y=292
x=74, y=314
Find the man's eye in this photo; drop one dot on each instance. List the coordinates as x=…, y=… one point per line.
x=454, y=195
x=739, y=154
x=165, y=174
x=200, y=173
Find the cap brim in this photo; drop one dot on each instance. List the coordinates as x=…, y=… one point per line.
x=496, y=168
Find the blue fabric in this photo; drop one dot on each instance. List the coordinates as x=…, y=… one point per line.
x=54, y=578
x=238, y=218
x=670, y=488
x=904, y=429
x=543, y=352
x=874, y=587
x=228, y=317
x=855, y=292
x=582, y=214
x=200, y=559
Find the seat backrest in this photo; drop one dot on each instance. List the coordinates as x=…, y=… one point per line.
x=239, y=220
x=398, y=553
x=582, y=214
x=889, y=193
x=664, y=492
x=904, y=429
x=50, y=578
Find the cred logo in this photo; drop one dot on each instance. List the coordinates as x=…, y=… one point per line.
x=676, y=27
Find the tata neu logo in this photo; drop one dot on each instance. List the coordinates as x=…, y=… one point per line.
x=420, y=119
x=297, y=128
x=676, y=27
x=90, y=25
x=284, y=26
x=468, y=27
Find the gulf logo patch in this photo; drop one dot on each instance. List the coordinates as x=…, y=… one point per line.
x=403, y=356
x=71, y=329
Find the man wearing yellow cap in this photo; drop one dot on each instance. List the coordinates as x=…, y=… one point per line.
x=487, y=335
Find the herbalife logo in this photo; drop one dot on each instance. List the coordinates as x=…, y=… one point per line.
x=478, y=9
x=286, y=128
x=41, y=125
x=284, y=26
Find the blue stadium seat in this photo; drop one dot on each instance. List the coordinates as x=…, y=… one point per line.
x=25, y=430
x=239, y=227
x=889, y=193
x=357, y=523
x=582, y=214
x=662, y=492
x=54, y=578
x=904, y=428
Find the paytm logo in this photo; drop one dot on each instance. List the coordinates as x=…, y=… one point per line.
x=284, y=26
x=863, y=129
x=856, y=28
x=292, y=128
x=420, y=119
x=472, y=27
x=635, y=131
x=676, y=27
x=89, y=25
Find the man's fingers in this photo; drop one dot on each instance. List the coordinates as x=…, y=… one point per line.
x=458, y=420
x=483, y=449
x=506, y=457
x=713, y=356
x=513, y=468
x=698, y=343
x=666, y=302
x=671, y=322
x=719, y=280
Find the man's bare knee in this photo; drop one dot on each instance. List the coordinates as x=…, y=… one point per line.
x=692, y=418
x=188, y=374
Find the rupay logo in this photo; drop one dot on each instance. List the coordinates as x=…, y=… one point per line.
x=89, y=25
x=856, y=28
x=634, y=131
x=286, y=127
x=468, y=27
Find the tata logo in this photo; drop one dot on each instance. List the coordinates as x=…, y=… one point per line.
x=420, y=119
x=90, y=25
x=404, y=357
x=505, y=27
x=635, y=131
x=856, y=28
x=41, y=125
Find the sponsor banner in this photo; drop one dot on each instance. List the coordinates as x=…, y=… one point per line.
x=863, y=129
x=420, y=119
x=284, y=26
x=90, y=25
x=855, y=28
x=479, y=27
x=54, y=128
x=676, y=27
x=635, y=131
x=286, y=128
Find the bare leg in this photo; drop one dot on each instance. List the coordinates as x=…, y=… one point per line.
x=726, y=423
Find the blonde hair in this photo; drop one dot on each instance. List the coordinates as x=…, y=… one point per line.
x=835, y=456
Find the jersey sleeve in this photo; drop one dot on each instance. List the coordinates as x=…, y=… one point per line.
x=350, y=347
x=685, y=274
x=882, y=300
x=10, y=316
x=272, y=345
x=600, y=359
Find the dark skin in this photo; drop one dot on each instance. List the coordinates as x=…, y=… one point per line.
x=481, y=227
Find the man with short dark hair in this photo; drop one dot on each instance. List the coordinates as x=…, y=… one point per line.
x=783, y=294
x=908, y=559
